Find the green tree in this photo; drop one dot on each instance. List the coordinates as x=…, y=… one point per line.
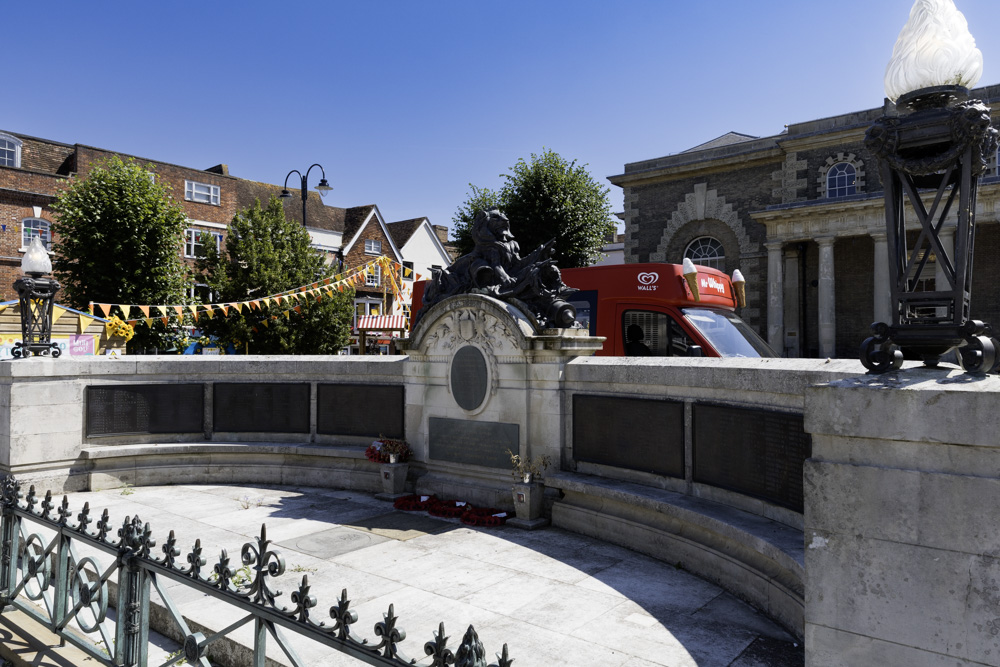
x=120, y=236
x=545, y=197
x=266, y=254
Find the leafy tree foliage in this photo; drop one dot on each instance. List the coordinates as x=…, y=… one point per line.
x=545, y=197
x=119, y=240
x=267, y=254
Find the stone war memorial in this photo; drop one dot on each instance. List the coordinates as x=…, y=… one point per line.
x=848, y=501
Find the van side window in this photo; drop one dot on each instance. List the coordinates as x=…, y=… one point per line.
x=585, y=302
x=657, y=332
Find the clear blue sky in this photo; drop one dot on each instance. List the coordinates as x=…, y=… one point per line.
x=406, y=103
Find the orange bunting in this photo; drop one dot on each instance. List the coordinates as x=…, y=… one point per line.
x=165, y=320
x=145, y=310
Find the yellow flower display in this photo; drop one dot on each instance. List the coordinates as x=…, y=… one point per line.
x=118, y=327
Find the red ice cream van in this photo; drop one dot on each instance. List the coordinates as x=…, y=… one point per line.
x=650, y=310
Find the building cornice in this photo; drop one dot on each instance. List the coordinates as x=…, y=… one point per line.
x=698, y=167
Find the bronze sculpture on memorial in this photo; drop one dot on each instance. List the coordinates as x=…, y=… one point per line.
x=495, y=268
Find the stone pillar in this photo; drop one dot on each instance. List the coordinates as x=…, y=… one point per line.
x=901, y=531
x=775, y=297
x=827, y=302
x=793, y=298
x=947, y=238
x=883, y=294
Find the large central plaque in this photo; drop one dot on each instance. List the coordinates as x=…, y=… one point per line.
x=756, y=452
x=469, y=377
x=145, y=408
x=476, y=443
x=635, y=433
x=270, y=407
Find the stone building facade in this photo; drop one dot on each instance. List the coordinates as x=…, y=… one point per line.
x=801, y=215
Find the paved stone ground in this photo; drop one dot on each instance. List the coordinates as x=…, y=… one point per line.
x=554, y=597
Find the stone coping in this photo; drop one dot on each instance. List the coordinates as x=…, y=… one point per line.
x=168, y=448
x=775, y=540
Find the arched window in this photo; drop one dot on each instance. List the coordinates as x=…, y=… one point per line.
x=841, y=180
x=10, y=151
x=31, y=227
x=707, y=251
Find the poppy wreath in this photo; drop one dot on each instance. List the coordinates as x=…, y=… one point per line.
x=483, y=516
x=447, y=509
x=414, y=503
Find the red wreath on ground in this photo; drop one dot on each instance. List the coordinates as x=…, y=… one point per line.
x=414, y=503
x=483, y=516
x=447, y=509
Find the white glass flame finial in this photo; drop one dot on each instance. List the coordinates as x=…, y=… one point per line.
x=36, y=260
x=935, y=48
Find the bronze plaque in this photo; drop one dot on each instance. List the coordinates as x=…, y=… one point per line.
x=755, y=452
x=145, y=408
x=475, y=443
x=635, y=433
x=360, y=409
x=270, y=407
x=469, y=377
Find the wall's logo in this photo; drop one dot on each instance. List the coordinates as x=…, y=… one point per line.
x=647, y=280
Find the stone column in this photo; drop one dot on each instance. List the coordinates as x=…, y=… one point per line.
x=775, y=297
x=827, y=302
x=947, y=238
x=793, y=298
x=883, y=294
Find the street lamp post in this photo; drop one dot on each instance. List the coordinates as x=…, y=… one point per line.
x=322, y=188
x=36, y=295
x=940, y=142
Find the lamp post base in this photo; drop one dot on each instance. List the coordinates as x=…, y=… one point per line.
x=23, y=351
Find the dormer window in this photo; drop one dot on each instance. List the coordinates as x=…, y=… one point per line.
x=373, y=247
x=10, y=151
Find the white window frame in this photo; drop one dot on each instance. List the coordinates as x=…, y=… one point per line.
x=373, y=276
x=707, y=251
x=192, y=241
x=402, y=271
x=27, y=224
x=202, y=193
x=844, y=177
x=193, y=293
x=373, y=247
x=16, y=148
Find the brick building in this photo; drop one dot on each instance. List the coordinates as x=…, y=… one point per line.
x=33, y=171
x=801, y=215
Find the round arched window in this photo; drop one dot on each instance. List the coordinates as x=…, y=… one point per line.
x=841, y=180
x=707, y=251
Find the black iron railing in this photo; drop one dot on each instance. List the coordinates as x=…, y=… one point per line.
x=42, y=574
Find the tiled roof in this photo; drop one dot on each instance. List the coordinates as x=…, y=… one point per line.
x=725, y=140
x=402, y=231
x=353, y=219
x=319, y=214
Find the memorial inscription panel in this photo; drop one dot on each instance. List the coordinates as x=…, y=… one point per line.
x=633, y=433
x=469, y=377
x=360, y=409
x=755, y=452
x=271, y=407
x=475, y=443
x=145, y=409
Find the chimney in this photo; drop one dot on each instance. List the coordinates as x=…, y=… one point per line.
x=442, y=233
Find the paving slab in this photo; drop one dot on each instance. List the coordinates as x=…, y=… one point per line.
x=556, y=598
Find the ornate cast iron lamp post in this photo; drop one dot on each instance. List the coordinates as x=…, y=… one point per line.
x=36, y=295
x=322, y=188
x=940, y=141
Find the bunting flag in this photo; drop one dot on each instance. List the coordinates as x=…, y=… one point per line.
x=57, y=312
x=82, y=322
x=390, y=269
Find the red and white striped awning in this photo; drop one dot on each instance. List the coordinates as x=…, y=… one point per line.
x=382, y=323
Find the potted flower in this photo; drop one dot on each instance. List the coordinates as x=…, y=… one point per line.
x=117, y=332
x=528, y=490
x=392, y=455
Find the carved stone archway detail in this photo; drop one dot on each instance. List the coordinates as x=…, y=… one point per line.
x=703, y=204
